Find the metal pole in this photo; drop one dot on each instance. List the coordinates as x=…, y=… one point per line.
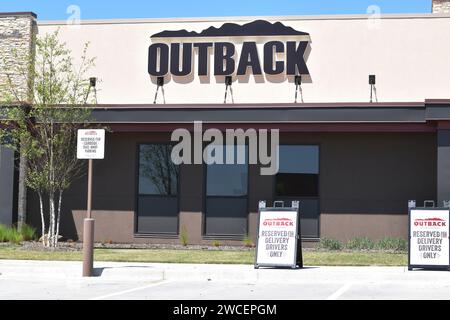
x=226, y=90
x=88, y=247
x=156, y=95
x=301, y=93
x=89, y=195
x=231, y=91
x=88, y=231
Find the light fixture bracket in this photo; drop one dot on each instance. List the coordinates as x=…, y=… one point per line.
x=159, y=84
x=228, y=83
x=298, y=87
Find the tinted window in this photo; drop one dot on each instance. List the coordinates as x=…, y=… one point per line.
x=227, y=179
x=157, y=173
x=298, y=175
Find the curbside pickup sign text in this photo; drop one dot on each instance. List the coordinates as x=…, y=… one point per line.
x=429, y=243
x=91, y=144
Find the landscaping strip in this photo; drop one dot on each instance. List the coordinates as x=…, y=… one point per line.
x=310, y=257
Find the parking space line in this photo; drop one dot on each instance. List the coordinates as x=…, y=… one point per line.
x=131, y=290
x=340, y=291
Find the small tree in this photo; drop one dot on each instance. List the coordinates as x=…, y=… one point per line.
x=43, y=125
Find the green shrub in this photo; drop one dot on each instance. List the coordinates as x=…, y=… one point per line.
x=216, y=243
x=3, y=233
x=360, y=244
x=330, y=244
x=184, y=237
x=28, y=233
x=396, y=244
x=10, y=234
x=13, y=236
x=248, y=242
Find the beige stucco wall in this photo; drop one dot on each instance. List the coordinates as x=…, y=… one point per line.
x=409, y=55
x=16, y=31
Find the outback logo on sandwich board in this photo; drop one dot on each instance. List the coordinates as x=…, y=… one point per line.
x=278, y=222
x=430, y=222
x=178, y=53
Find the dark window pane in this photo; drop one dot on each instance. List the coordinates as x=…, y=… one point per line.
x=157, y=173
x=157, y=215
x=299, y=159
x=299, y=171
x=228, y=179
x=297, y=185
x=226, y=216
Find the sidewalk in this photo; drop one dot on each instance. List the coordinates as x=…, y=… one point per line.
x=132, y=271
x=51, y=280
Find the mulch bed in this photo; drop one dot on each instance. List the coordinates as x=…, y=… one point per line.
x=78, y=246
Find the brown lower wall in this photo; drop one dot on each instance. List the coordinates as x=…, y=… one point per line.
x=115, y=226
x=118, y=227
x=344, y=227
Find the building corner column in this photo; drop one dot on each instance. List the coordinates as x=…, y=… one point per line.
x=443, y=166
x=18, y=31
x=6, y=186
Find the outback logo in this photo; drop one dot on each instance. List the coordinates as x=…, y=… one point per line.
x=430, y=222
x=278, y=222
x=173, y=51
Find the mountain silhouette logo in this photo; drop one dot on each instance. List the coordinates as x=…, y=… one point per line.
x=255, y=28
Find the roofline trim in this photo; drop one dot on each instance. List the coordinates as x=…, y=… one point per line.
x=240, y=106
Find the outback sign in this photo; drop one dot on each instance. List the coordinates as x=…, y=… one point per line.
x=429, y=242
x=173, y=52
x=279, y=222
x=277, y=238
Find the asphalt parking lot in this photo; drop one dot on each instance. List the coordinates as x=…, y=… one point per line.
x=137, y=281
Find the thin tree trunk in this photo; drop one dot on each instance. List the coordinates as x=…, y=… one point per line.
x=50, y=221
x=51, y=181
x=51, y=233
x=22, y=192
x=58, y=217
x=41, y=207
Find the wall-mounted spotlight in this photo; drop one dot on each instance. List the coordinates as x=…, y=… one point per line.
x=298, y=87
x=92, y=84
x=228, y=83
x=373, y=89
x=159, y=84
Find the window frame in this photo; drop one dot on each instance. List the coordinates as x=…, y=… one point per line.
x=138, y=195
x=318, y=198
x=206, y=236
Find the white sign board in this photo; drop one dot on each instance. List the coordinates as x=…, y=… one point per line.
x=91, y=144
x=429, y=243
x=277, y=238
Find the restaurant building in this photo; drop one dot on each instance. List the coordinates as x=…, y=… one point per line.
x=361, y=102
